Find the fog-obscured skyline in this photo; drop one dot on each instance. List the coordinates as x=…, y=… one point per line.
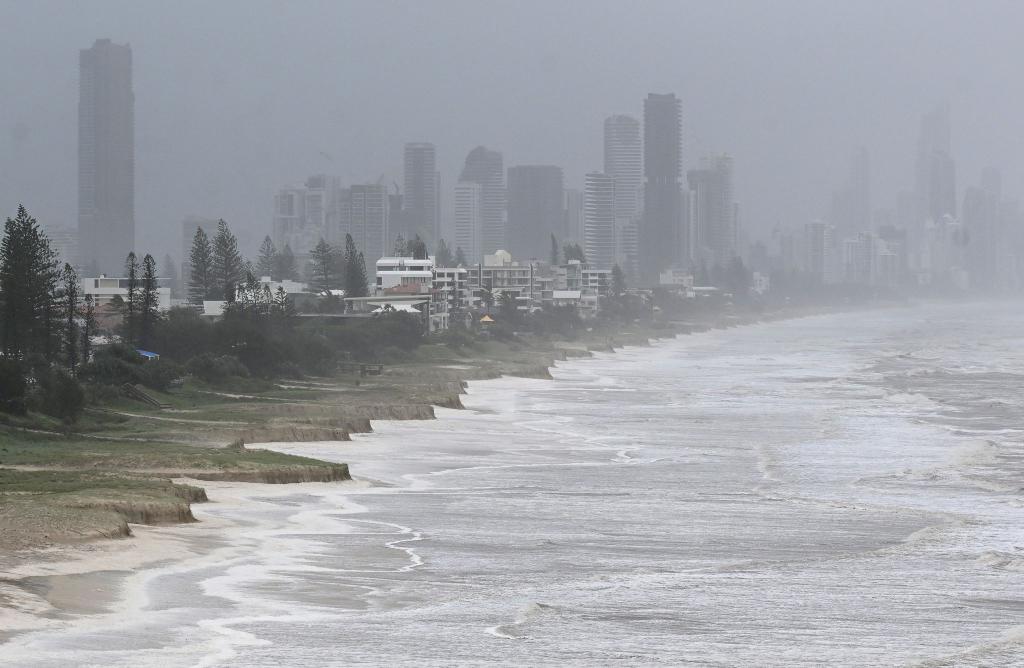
x=235, y=99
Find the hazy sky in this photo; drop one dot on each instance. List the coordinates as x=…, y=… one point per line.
x=234, y=99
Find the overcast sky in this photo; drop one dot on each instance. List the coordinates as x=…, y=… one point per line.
x=235, y=99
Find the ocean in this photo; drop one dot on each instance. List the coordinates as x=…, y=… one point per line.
x=840, y=490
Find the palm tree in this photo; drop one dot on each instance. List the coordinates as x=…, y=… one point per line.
x=487, y=298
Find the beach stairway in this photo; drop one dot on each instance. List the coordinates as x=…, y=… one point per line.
x=137, y=393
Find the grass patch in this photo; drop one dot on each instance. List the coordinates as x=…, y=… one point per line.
x=37, y=450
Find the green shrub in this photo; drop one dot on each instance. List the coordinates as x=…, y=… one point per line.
x=113, y=366
x=159, y=374
x=59, y=395
x=216, y=369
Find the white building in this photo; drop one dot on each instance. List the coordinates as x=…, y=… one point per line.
x=418, y=284
x=535, y=284
x=623, y=161
x=500, y=274
x=404, y=274
x=469, y=219
x=760, y=283
x=599, y=220
x=104, y=291
x=452, y=285
x=676, y=278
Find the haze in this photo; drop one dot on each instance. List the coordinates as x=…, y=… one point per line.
x=236, y=99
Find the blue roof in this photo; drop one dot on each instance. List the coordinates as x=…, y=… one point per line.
x=146, y=353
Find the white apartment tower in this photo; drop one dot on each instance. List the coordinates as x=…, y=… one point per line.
x=599, y=220
x=469, y=220
x=623, y=161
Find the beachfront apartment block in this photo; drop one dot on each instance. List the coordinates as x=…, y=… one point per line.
x=534, y=284
x=436, y=290
x=105, y=290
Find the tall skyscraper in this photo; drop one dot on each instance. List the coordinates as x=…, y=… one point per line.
x=106, y=157
x=986, y=242
x=486, y=168
x=574, y=216
x=535, y=210
x=936, y=172
x=364, y=210
x=851, y=205
x=661, y=232
x=469, y=220
x=623, y=161
x=819, y=252
x=599, y=220
x=713, y=212
x=421, y=198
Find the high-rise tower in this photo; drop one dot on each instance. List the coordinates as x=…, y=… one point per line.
x=106, y=156
x=599, y=220
x=661, y=232
x=468, y=219
x=713, y=212
x=535, y=210
x=487, y=168
x=936, y=171
x=623, y=161
x=422, y=193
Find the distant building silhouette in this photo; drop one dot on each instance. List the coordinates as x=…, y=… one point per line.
x=364, y=215
x=535, y=210
x=303, y=215
x=851, y=205
x=574, y=216
x=486, y=168
x=421, y=194
x=661, y=230
x=936, y=172
x=599, y=220
x=106, y=156
x=713, y=212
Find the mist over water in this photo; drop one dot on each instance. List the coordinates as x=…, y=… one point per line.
x=838, y=490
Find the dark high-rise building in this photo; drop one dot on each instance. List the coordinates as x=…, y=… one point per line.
x=661, y=232
x=487, y=168
x=535, y=210
x=422, y=195
x=106, y=157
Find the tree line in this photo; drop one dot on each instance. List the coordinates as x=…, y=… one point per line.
x=218, y=269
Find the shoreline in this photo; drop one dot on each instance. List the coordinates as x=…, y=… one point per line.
x=312, y=512
x=35, y=594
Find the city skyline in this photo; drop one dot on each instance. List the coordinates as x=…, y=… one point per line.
x=226, y=159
